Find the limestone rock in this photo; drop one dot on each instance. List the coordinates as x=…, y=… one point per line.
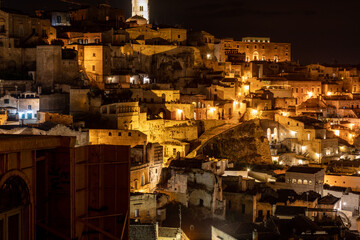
x=245, y=143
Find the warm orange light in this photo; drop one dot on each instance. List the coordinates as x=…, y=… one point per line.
x=310, y=94
x=254, y=111
x=337, y=132
x=329, y=93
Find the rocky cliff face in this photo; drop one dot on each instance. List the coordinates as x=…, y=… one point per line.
x=245, y=143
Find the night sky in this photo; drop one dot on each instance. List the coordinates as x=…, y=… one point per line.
x=320, y=31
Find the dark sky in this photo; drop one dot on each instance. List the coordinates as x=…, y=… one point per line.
x=320, y=31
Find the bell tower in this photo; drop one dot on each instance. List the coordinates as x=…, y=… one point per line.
x=141, y=8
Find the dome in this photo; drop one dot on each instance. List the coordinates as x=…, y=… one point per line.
x=138, y=19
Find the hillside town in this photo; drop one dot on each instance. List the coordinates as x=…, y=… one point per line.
x=117, y=128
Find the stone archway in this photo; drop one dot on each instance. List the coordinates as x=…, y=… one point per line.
x=16, y=206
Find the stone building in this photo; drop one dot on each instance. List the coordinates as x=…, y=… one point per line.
x=243, y=200
x=102, y=15
x=19, y=34
x=55, y=65
x=186, y=181
x=143, y=207
x=25, y=106
x=310, y=138
x=303, y=179
x=117, y=137
x=60, y=19
x=255, y=49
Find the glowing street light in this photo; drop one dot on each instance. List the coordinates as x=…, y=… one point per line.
x=329, y=93
x=254, y=112
x=310, y=94
x=337, y=132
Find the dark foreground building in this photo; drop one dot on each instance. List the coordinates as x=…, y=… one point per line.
x=52, y=190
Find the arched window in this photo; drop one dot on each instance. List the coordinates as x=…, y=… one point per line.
x=305, y=182
x=299, y=181
x=269, y=134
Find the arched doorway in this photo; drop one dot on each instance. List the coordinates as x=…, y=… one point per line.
x=255, y=56
x=15, y=209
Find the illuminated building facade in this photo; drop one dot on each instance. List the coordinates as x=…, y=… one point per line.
x=141, y=8
x=255, y=49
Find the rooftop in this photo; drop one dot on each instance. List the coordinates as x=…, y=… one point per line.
x=289, y=211
x=328, y=200
x=309, y=170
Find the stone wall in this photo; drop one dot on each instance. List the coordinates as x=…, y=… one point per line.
x=116, y=137
x=145, y=206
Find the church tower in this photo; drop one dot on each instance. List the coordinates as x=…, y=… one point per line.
x=141, y=8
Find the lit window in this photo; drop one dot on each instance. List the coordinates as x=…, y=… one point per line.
x=299, y=181
x=310, y=182
x=294, y=180
x=305, y=182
